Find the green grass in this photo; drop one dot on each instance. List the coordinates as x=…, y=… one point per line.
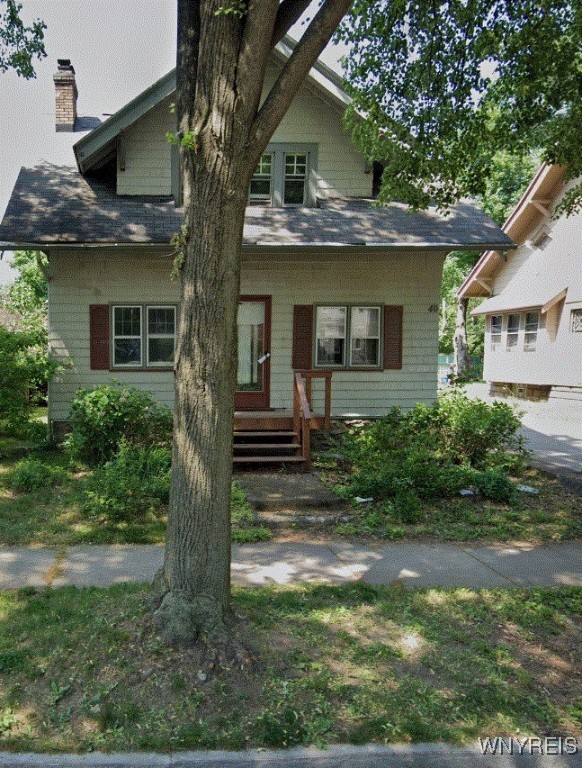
x=52, y=515
x=83, y=669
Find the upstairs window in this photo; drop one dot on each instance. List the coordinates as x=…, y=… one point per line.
x=285, y=176
x=295, y=179
x=261, y=191
x=532, y=321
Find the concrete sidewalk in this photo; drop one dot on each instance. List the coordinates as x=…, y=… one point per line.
x=254, y=565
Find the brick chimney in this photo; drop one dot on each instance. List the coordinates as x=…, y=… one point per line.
x=65, y=96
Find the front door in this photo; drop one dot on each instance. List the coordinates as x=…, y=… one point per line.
x=254, y=353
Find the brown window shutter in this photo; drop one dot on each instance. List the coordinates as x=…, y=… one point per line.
x=393, y=337
x=99, y=337
x=302, y=337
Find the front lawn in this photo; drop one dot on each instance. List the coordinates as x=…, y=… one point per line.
x=83, y=669
x=42, y=498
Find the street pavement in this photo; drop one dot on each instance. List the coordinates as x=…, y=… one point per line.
x=257, y=565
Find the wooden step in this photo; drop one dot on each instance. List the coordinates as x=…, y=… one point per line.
x=268, y=459
x=265, y=446
x=268, y=433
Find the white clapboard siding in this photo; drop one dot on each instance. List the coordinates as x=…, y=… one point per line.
x=125, y=276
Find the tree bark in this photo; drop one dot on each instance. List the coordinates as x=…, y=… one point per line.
x=462, y=362
x=219, y=91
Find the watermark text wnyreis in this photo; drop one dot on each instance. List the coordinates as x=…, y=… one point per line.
x=530, y=745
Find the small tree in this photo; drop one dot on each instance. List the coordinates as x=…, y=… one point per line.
x=19, y=44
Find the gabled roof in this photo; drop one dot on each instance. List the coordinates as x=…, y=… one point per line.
x=533, y=206
x=53, y=205
x=99, y=145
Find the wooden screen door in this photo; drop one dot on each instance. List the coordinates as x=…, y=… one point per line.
x=254, y=353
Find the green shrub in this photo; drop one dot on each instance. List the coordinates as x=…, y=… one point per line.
x=494, y=485
x=102, y=417
x=134, y=483
x=24, y=369
x=433, y=452
x=34, y=475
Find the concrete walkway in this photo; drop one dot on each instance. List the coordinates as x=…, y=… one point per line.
x=255, y=565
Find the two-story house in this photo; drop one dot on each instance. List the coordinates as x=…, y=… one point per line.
x=332, y=284
x=533, y=304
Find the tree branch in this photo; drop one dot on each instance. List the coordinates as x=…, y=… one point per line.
x=304, y=56
x=188, y=44
x=289, y=12
x=254, y=52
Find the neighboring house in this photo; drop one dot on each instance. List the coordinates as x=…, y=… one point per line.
x=533, y=309
x=331, y=284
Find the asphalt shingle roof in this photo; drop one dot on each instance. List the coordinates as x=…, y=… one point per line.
x=53, y=205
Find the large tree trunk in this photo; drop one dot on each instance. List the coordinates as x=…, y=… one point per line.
x=194, y=589
x=462, y=361
x=222, y=57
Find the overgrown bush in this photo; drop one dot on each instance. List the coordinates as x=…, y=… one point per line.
x=134, y=482
x=432, y=452
x=24, y=369
x=103, y=416
x=34, y=475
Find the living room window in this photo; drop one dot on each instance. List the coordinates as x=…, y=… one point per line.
x=347, y=336
x=285, y=176
x=143, y=344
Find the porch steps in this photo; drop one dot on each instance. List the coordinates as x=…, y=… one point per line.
x=266, y=447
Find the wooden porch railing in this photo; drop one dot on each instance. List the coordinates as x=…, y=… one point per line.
x=309, y=376
x=302, y=417
x=303, y=408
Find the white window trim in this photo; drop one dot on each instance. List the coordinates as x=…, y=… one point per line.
x=144, y=363
x=115, y=336
x=347, y=363
x=147, y=335
x=278, y=151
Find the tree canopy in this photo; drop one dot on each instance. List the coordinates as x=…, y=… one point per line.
x=439, y=88
x=19, y=44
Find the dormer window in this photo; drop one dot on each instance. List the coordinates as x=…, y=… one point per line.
x=295, y=178
x=285, y=176
x=261, y=191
